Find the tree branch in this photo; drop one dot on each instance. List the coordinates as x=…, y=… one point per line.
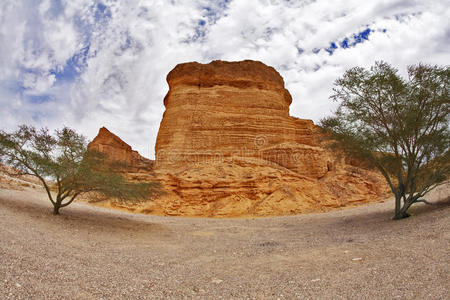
x=424, y=201
x=71, y=200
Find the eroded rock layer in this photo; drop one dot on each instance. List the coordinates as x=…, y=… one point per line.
x=225, y=109
x=227, y=147
x=117, y=150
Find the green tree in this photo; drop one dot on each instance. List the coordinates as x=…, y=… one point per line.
x=400, y=126
x=62, y=162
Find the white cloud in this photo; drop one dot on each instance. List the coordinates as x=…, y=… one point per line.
x=38, y=83
x=105, y=63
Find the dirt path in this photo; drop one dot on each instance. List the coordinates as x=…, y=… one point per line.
x=92, y=253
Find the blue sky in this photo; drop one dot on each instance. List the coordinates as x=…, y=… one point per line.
x=90, y=63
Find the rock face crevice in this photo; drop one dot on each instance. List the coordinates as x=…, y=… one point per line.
x=228, y=147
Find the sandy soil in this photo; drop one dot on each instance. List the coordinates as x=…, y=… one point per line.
x=94, y=253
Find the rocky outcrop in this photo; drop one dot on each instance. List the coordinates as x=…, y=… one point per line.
x=224, y=109
x=117, y=150
x=10, y=178
x=227, y=147
x=246, y=187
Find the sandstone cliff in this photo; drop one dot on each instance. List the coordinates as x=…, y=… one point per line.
x=227, y=109
x=117, y=150
x=228, y=147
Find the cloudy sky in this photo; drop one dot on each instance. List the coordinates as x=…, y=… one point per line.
x=89, y=63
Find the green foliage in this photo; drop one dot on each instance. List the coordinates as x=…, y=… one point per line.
x=65, y=160
x=400, y=126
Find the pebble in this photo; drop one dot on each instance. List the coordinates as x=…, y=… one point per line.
x=216, y=281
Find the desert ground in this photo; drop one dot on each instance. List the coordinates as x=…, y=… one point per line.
x=96, y=253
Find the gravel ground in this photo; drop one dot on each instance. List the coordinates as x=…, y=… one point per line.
x=96, y=253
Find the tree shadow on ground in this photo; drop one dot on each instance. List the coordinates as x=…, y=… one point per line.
x=424, y=209
x=84, y=217
x=369, y=223
x=386, y=214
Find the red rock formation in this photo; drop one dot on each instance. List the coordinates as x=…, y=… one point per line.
x=117, y=150
x=227, y=147
x=225, y=109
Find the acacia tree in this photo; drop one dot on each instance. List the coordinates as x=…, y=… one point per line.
x=399, y=126
x=63, y=161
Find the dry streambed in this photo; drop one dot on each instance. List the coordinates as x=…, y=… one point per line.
x=90, y=252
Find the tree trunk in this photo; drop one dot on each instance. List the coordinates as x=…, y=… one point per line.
x=56, y=208
x=401, y=213
x=398, y=199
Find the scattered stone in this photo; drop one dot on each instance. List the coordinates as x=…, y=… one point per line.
x=216, y=281
x=268, y=244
